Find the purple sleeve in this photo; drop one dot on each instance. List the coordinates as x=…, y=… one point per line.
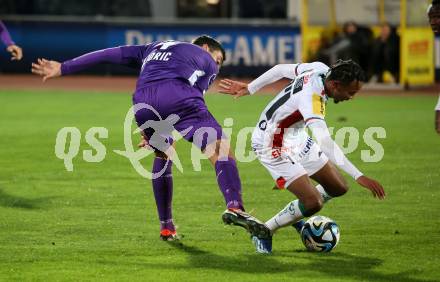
x=4, y=35
x=211, y=70
x=124, y=55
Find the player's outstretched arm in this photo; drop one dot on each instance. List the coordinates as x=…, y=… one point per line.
x=124, y=55
x=238, y=89
x=47, y=69
x=16, y=51
x=337, y=157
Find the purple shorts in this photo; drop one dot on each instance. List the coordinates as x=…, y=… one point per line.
x=171, y=105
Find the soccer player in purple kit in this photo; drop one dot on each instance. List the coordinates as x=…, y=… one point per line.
x=15, y=50
x=173, y=79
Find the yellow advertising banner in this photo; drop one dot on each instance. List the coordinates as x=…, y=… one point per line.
x=311, y=40
x=417, y=56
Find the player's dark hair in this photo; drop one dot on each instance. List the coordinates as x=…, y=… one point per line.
x=434, y=7
x=346, y=72
x=211, y=42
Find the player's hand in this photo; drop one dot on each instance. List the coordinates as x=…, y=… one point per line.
x=234, y=88
x=372, y=185
x=16, y=52
x=144, y=143
x=46, y=69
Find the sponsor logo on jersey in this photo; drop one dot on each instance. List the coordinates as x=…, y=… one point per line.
x=262, y=125
x=318, y=104
x=298, y=86
x=306, y=148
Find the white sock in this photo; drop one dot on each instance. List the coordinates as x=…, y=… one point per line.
x=292, y=212
x=325, y=197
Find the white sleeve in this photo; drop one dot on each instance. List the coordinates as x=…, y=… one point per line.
x=331, y=149
x=290, y=71
x=272, y=75
x=314, y=66
x=437, y=108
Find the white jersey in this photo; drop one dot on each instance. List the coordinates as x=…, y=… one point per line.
x=282, y=123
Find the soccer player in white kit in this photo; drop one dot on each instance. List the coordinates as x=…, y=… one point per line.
x=437, y=116
x=434, y=21
x=284, y=148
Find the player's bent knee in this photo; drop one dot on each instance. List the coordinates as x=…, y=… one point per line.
x=313, y=205
x=337, y=190
x=342, y=189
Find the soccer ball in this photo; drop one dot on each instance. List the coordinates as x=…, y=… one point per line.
x=320, y=234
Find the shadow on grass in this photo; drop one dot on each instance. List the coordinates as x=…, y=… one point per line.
x=10, y=201
x=344, y=266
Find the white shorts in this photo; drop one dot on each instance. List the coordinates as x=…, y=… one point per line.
x=286, y=165
x=437, y=107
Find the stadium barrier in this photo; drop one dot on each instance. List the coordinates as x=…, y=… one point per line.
x=419, y=61
x=251, y=47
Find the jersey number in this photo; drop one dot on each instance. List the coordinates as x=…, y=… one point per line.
x=164, y=45
x=195, y=76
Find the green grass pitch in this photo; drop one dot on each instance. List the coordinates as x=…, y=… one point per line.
x=99, y=222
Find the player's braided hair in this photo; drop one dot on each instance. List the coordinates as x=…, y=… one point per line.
x=434, y=7
x=212, y=44
x=346, y=72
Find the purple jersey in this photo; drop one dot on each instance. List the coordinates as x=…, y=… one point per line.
x=157, y=61
x=4, y=35
x=178, y=60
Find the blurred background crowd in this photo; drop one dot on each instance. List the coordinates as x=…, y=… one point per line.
x=146, y=8
x=372, y=40
x=377, y=55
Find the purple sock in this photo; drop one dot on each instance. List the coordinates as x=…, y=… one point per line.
x=163, y=193
x=229, y=182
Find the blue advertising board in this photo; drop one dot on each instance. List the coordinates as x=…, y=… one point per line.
x=249, y=49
